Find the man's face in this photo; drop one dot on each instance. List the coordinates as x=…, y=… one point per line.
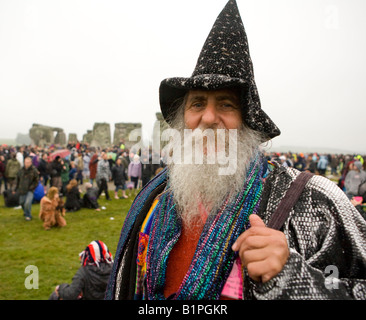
x=212, y=109
x=218, y=172
x=27, y=163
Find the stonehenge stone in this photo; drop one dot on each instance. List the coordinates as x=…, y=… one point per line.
x=60, y=138
x=73, y=137
x=101, y=135
x=88, y=136
x=23, y=139
x=41, y=135
x=58, y=130
x=122, y=132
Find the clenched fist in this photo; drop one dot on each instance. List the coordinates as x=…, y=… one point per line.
x=263, y=251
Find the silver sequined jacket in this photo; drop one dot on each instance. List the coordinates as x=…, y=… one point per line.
x=327, y=240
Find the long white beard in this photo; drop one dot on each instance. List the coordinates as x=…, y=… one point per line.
x=201, y=184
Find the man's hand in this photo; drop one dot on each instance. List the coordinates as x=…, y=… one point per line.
x=263, y=251
x=56, y=291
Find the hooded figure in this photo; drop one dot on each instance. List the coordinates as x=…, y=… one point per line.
x=354, y=179
x=90, y=281
x=90, y=198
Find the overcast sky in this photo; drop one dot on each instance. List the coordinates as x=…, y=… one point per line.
x=71, y=63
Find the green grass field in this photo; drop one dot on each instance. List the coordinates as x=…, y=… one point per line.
x=56, y=252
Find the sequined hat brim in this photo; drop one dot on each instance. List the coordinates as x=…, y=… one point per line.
x=173, y=90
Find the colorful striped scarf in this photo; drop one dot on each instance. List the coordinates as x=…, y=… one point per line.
x=213, y=258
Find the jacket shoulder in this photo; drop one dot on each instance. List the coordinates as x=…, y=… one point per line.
x=320, y=194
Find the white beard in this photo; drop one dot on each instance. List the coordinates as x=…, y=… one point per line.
x=194, y=184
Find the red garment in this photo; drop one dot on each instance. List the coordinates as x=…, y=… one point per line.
x=93, y=166
x=181, y=256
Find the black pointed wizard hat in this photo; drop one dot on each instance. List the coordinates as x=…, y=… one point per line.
x=224, y=62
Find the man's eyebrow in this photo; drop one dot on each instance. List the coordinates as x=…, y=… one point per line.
x=222, y=97
x=230, y=97
x=197, y=97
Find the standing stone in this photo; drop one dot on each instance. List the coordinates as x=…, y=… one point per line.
x=23, y=139
x=60, y=138
x=88, y=136
x=101, y=135
x=73, y=138
x=122, y=132
x=41, y=135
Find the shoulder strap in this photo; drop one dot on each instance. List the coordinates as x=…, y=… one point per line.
x=292, y=195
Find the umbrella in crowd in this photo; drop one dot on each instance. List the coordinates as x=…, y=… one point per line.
x=63, y=153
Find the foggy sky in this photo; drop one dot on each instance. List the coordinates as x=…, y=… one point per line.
x=70, y=64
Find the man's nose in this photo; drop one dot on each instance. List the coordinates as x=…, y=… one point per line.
x=210, y=115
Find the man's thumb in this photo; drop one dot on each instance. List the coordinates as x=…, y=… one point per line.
x=255, y=221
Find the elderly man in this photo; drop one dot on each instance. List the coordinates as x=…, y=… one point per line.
x=195, y=232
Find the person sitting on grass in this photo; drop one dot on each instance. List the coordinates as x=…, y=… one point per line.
x=90, y=198
x=73, y=201
x=52, y=211
x=91, y=279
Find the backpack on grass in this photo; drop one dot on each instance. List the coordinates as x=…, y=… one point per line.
x=11, y=199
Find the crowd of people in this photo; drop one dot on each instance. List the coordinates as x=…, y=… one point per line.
x=68, y=183
x=88, y=170
x=31, y=174
x=348, y=171
x=81, y=175
x=334, y=166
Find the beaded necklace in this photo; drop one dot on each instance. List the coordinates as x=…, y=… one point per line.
x=213, y=258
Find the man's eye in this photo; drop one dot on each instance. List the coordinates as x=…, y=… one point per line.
x=197, y=105
x=228, y=106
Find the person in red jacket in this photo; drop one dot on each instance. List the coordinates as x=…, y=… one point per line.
x=93, y=164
